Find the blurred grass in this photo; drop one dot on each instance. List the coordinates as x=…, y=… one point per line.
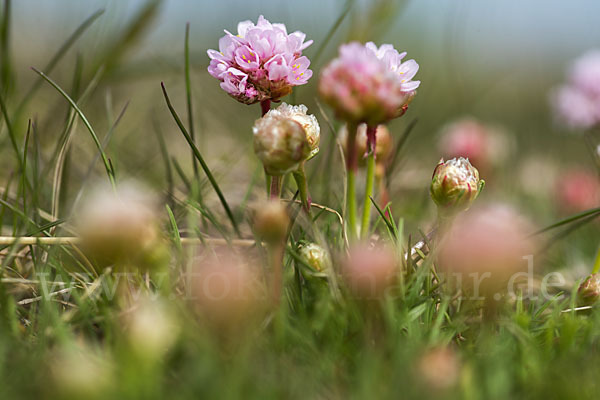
x=322, y=343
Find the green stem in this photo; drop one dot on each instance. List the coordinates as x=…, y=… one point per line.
x=276, y=251
x=597, y=263
x=300, y=177
x=351, y=169
x=366, y=216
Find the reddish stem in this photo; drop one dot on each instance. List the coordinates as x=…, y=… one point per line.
x=265, y=106
x=371, y=138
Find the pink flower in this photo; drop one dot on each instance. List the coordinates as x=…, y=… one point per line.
x=485, y=146
x=393, y=60
x=578, y=190
x=585, y=73
x=262, y=62
x=578, y=102
x=366, y=84
x=577, y=109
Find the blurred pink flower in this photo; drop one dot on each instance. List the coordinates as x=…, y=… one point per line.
x=578, y=102
x=262, y=62
x=488, y=243
x=578, y=190
x=483, y=145
x=585, y=73
x=366, y=84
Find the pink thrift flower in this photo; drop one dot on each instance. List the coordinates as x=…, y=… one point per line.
x=578, y=102
x=585, y=73
x=405, y=71
x=576, y=109
x=363, y=83
x=578, y=190
x=485, y=146
x=262, y=62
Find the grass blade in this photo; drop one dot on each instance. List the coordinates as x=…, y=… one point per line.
x=87, y=124
x=188, y=93
x=200, y=159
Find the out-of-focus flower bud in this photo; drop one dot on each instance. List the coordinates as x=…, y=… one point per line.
x=80, y=373
x=589, y=290
x=577, y=190
x=315, y=256
x=150, y=329
x=271, y=221
x=439, y=368
x=228, y=293
x=119, y=227
x=369, y=271
x=485, y=248
x=455, y=185
x=383, y=146
x=280, y=143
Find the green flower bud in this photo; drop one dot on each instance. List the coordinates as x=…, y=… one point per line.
x=589, y=291
x=280, y=143
x=315, y=256
x=455, y=185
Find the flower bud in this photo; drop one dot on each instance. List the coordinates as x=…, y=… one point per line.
x=271, y=222
x=280, y=143
x=315, y=256
x=383, y=146
x=439, y=368
x=119, y=227
x=370, y=271
x=455, y=185
x=589, y=291
x=150, y=329
x=78, y=373
x=484, y=251
x=308, y=122
x=228, y=293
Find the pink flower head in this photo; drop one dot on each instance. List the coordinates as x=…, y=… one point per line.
x=578, y=102
x=363, y=83
x=262, y=62
x=485, y=146
x=578, y=190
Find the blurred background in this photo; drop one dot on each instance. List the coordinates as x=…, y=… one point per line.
x=494, y=62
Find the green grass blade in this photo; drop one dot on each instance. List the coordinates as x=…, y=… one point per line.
x=188, y=94
x=200, y=159
x=568, y=220
x=87, y=124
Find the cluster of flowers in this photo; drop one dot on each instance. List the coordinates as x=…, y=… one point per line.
x=578, y=101
x=262, y=62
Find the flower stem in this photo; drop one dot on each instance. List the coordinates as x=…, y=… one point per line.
x=300, y=177
x=351, y=169
x=265, y=106
x=275, y=251
x=597, y=263
x=268, y=181
x=275, y=187
x=366, y=216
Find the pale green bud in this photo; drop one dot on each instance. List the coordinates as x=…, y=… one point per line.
x=455, y=185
